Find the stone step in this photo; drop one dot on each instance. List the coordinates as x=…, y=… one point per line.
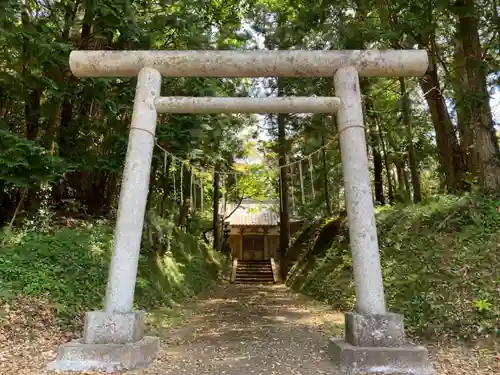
x=254, y=275
x=254, y=281
x=254, y=272
x=268, y=269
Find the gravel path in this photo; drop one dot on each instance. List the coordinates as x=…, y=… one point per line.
x=250, y=330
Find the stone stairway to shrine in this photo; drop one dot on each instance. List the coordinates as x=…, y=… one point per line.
x=254, y=272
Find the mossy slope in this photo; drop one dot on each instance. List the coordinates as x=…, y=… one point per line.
x=68, y=268
x=441, y=266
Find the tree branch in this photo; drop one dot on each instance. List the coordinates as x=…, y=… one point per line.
x=237, y=206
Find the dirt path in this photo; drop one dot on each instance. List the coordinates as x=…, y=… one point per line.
x=236, y=330
x=241, y=330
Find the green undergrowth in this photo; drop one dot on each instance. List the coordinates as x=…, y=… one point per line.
x=68, y=267
x=441, y=267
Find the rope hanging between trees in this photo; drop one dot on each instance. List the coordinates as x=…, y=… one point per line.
x=236, y=173
x=181, y=188
x=223, y=176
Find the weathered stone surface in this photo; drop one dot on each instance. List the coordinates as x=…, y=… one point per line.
x=80, y=357
x=374, y=329
x=181, y=104
x=133, y=195
x=250, y=63
x=358, y=360
x=358, y=195
x=113, y=328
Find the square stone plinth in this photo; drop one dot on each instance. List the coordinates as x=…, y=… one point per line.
x=359, y=360
x=385, y=330
x=113, y=328
x=76, y=356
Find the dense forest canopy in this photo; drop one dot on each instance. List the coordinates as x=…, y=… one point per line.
x=63, y=140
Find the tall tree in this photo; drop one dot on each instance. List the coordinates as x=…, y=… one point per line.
x=483, y=158
x=412, y=156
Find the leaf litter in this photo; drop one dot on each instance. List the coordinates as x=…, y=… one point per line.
x=235, y=330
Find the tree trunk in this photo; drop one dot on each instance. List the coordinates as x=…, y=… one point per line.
x=59, y=73
x=166, y=187
x=325, y=179
x=68, y=129
x=402, y=193
x=5, y=204
x=284, y=207
x=399, y=174
x=377, y=172
x=186, y=201
x=483, y=161
x=407, y=183
x=450, y=155
x=459, y=83
x=32, y=114
x=374, y=144
x=390, y=186
x=32, y=105
x=215, y=217
x=412, y=156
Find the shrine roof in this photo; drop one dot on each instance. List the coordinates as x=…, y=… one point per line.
x=253, y=213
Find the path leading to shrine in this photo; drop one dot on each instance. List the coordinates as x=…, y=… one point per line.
x=236, y=330
x=244, y=329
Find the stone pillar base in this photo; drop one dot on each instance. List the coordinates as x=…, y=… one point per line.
x=113, y=328
x=111, y=342
x=361, y=360
x=76, y=356
x=375, y=344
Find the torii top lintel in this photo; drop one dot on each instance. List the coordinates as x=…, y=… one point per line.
x=248, y=63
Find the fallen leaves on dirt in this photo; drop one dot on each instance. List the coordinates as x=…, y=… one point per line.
x=234, y=330
x=28, y=335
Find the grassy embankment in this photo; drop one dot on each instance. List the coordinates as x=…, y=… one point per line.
x=441, y=267
x=61, y=273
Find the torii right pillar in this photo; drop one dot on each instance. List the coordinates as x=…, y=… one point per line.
x=374, y=341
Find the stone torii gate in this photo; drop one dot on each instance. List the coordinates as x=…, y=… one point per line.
x=114, y=338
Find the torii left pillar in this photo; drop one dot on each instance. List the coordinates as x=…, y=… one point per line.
x=113, y=339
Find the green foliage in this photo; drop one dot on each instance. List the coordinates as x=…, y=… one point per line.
x=23, y=163
x=69, y=268
x=440, y=263
x=256, y=182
